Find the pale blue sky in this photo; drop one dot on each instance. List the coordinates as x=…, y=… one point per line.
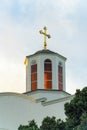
x=20, y=22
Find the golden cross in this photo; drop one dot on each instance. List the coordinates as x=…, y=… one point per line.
x=45, y=35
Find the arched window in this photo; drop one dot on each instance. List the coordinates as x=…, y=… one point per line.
x=47, y=74
x=60, y=77
x=34, y=77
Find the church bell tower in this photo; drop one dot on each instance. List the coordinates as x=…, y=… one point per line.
x=45, y=69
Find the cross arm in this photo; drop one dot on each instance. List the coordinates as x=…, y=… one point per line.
x=48, y=35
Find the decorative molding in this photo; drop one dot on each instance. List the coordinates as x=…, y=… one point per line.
x=57, y=100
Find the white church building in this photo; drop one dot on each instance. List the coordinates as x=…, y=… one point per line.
x=45, y=91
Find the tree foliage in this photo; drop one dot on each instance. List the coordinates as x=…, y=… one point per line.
x=31, y=126
x=48, y=123
x=75, y=109
x=83, y=125
x=51, y=123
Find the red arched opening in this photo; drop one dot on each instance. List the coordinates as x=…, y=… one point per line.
x=34, y=77
x=47, y=74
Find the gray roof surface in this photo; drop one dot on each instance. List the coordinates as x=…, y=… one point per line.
x=46, y=52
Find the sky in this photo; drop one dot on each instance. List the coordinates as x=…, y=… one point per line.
x=20, y=22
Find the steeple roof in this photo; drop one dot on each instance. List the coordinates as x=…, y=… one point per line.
x=45, y=51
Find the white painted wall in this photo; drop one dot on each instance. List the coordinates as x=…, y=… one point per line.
x=16, y=109
x=49, y=95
